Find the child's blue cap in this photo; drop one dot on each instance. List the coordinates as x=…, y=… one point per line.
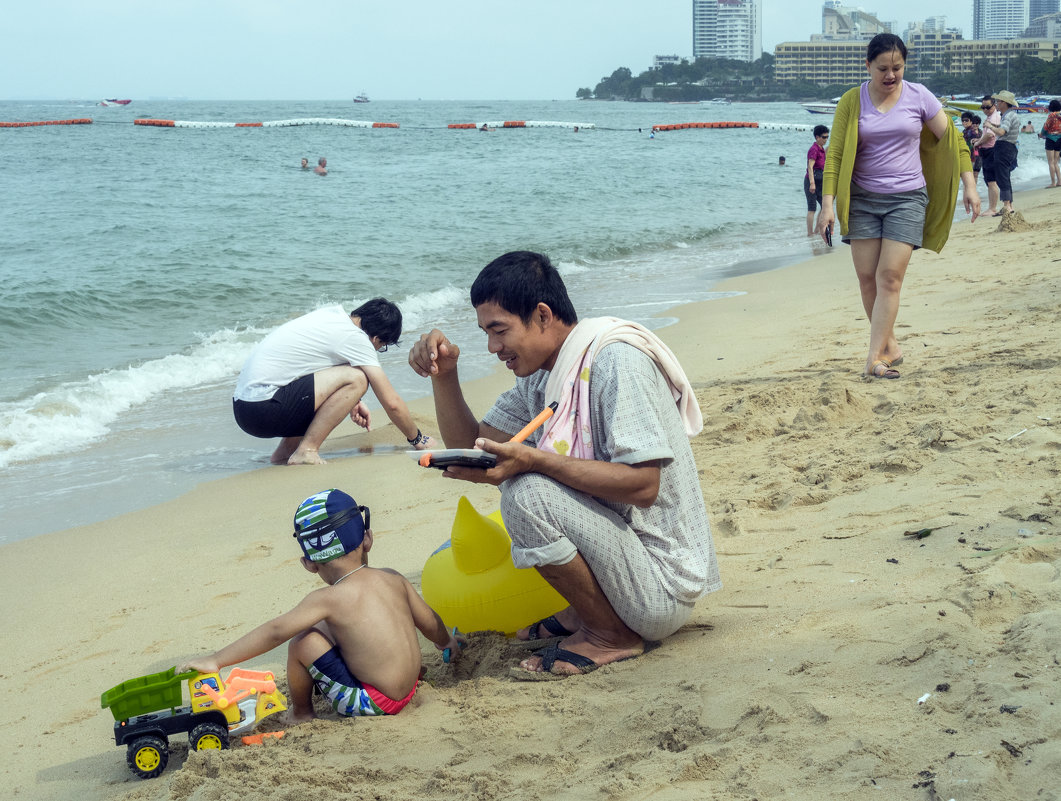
x=329, y=525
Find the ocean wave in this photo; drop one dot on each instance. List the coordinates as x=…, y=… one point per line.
x=75, y=414
x=421, y=310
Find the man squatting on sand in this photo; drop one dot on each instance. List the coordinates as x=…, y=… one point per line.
x=306, y=376
x=607, y=506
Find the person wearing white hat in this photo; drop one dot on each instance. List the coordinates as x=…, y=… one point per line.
x=1007, y=131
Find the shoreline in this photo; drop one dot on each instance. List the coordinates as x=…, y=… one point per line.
x=232, y=453
x=841, y=656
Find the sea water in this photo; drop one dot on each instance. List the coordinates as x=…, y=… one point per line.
x=140, y=265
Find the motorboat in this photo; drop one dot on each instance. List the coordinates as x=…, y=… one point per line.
x=361, y=98
x=111, y=101
x=822, y=107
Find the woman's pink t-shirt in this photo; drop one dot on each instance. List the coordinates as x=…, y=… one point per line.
x=888, y=158
x=817, y=155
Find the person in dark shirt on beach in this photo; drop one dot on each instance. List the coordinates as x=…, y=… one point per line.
x=607, y=506
x=971, y=132
x=306, y=376
x=812, y=181
x=322, y=166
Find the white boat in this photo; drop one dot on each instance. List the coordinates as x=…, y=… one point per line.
x=361, y=98
x=822, y=107
x=722, y=101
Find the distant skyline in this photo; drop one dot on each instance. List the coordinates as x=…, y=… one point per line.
x=332, y=50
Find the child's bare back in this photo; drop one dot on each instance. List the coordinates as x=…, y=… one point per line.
x=372, y=619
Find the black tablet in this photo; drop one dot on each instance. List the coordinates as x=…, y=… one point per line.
x=455, y=457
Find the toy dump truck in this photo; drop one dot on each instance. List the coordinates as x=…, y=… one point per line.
x=147, y=710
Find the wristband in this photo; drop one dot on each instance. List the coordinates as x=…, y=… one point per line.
x=419, y=439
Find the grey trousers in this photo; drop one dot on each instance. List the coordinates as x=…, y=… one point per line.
x=550, y=523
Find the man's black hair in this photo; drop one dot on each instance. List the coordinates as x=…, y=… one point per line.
x=820, y=129
x=519, y=281
x=380, y=318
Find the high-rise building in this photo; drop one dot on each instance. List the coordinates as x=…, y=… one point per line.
x=999, y=19
x=728, y=29
x=1040, y=8
x=927, y=42
x=846, y=22
x=1048, y=26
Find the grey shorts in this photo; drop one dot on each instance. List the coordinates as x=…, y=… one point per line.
x=899, y=217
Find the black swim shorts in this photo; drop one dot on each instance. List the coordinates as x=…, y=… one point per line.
x=288, y=413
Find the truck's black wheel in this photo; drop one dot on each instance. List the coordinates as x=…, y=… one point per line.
x=208, y=735
x=147, y=756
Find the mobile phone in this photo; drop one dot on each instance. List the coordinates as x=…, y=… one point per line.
x=829, y=236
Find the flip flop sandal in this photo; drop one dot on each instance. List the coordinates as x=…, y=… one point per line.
x=556, y=629
x=888, y=371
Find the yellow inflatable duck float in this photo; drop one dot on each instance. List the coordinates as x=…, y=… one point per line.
x=473, y=585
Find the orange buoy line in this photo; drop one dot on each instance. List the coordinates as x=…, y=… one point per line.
x=681, y=126
x=273, y=124
x=157, y=123
x=82, y=121
x=467, y=126
x=686, y=125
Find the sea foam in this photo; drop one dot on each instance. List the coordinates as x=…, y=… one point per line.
x=73, y=415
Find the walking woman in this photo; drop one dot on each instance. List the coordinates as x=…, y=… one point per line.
x=891, y=181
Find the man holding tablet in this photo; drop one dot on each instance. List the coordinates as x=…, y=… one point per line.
x=607, y=504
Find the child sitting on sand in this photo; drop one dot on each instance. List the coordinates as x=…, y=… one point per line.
x=356, y=638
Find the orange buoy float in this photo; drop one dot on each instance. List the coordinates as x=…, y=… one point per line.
x=35, y=123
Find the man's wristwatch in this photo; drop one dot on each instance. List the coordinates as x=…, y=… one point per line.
x=419, y=439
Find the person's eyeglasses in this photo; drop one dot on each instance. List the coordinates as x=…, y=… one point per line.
x=985, y=108
x=824, y=136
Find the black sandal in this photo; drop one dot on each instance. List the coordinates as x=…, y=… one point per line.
x=556, y=629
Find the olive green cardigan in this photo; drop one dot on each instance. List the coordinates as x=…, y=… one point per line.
x=942, y=161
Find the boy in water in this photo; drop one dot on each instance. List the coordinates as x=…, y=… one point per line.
x=356, y=638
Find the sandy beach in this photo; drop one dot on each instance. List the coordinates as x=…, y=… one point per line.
x=844, y=656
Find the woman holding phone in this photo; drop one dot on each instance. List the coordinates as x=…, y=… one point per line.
x=892, y=149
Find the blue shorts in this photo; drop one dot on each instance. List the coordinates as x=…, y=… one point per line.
x=348, y=695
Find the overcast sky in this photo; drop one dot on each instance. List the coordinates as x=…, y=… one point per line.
x=334, y=49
